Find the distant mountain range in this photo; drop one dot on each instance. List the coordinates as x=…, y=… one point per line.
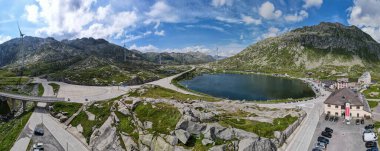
x=90, y=61
x=325, y=49
x=178, y=58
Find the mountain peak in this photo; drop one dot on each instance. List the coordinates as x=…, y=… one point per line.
x=336, y=30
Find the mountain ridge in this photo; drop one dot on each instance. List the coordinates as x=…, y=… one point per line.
x=86, y=61
x=319, y=48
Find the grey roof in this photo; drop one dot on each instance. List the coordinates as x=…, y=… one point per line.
x=342, y=80
x=340, y=97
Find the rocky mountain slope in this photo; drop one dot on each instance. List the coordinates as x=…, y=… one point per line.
x=178, y=58
x=81, y=61
x=327, y=49
x=142, y=123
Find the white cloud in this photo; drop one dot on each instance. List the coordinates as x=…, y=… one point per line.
x=228, y=20
x=268, y=11
x=130, y=37
x=366, y=15
x=190, y=49
x=147, y=48
x=32, y=13
x=114, y=28
x=160, y=33
x=312, y=3
x=297, y=17
x=102, y=12
x=227, y=50
x=272, y=32
x=218, y=3
x=161, y=12
x=250, y=20
x=4, y=38
x=79, y=18
x=206, y=27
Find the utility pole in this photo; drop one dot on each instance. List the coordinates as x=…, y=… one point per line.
x=22, y=49
x=125, y=53
x=159, y=56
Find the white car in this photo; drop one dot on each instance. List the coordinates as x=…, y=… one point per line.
x=371, y=136
x=38, y=146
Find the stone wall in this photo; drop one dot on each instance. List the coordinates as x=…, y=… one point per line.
x=280, y=137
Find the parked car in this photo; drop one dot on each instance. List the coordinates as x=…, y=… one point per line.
x=336, y=118
x=39, y=131
x=373, y=149
x=327, y=117
x=323, y=139
x=326, y=134
x=362, y=121
x=317, y=149
x=331, y=118
x=321, y=145
x=369, y=136
x=370, y=144
x=357, y=121
x=369, y=126
x=328, y=129
x=38, y=146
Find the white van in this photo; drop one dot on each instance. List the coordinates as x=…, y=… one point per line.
x=367, y=137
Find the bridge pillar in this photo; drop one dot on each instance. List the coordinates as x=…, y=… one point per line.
x=13, y=104
x=24, y=105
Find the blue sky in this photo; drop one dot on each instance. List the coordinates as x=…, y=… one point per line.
x=181, y=25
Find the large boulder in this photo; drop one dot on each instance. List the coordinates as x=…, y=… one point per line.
x=251, y=144
x=172, y=140
x=226, y=134
x=241, y=134
x=104, y=138
x=148, y=125
x=63, y=118
x=182, y=135
x=80, y=128
x=146, y=139
x=207, y=141
x=130, y=145
x=210, y=133
x=218, y=148
x=190, y=126
x=124, y=111
x=160, y=144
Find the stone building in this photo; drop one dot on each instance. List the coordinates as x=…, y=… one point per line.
x=341, y=83
x=365, y=78
x=346, y=102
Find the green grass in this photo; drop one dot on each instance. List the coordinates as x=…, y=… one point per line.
x=68, y=107
x=164, y=116
x=10, y=130
x=101, y=115
x=55, y=87
x=87, y=125
x=372, y=104
x=126, y=125
x=377, y=126
x=262, y=129
x=160, y=92
x=373, y=88
x=40, y=90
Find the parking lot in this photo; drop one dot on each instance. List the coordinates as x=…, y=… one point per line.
x=48, y=140
x=345, y=137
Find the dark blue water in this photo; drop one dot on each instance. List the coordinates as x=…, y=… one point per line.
x=248, y=86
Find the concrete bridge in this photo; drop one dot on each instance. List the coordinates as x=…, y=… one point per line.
x=13, y=97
